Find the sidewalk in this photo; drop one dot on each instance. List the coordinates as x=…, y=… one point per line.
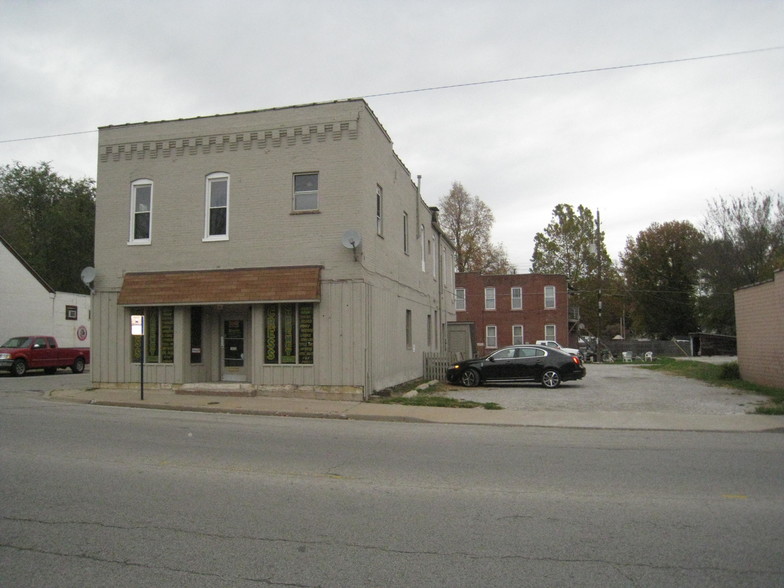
x=350, y=410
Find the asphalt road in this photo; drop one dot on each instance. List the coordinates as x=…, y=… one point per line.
x=618, y=387
x=98, y=496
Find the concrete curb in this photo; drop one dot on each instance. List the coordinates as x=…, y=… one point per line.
x=368, y=411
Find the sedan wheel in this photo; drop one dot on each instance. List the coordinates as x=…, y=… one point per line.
x=551, y=379
x=469, y=378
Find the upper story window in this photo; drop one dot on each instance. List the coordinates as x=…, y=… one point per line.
x=216, y=212
x=141, y=212
x=422, y=244
x=405, y=233
x=517, y=298
x=489, y=298
x=460, y=299
x=306, y=191
x=379, y=211
x=549, y=296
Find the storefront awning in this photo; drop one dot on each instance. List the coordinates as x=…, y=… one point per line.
x=249, y=285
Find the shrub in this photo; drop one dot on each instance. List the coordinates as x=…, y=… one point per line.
x=730, y=371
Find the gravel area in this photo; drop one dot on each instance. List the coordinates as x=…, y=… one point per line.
x=614, y=387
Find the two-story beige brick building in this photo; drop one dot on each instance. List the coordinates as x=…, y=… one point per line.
x=274, y=250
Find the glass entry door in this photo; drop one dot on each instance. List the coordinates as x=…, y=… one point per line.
x=233, y=339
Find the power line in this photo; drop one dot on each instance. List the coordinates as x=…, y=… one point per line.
x=47, y=136
x=575, y=72
x=488, y=82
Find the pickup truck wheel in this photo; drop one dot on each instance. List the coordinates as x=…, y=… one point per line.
x=19, y=368
x=78, y=365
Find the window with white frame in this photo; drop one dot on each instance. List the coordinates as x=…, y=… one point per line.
x=141, y=212
x=435, y=259
x=491, y=336
x=460, y=299
x=489, y=298
x=379, y=211
x=216, y=213
x=422, y=244
x=306, y=191
x=517, y=298
x=405, y=233
x=409, y=331
x=549, y=332
x=517, y=334
x=549, y=296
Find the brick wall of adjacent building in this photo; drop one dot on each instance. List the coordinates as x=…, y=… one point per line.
x=759, y=318
x=533, y=316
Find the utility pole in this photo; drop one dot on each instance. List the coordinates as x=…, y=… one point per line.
x=599, y=290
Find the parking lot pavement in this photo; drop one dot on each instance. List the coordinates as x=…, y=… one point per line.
x=617, y=387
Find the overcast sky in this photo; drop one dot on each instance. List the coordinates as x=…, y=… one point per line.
x=638, y=144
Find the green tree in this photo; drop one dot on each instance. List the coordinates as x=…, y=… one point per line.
x=50, y=221
x=744, y=245
x=467, y=221
x=573, y=245
x=660, y=268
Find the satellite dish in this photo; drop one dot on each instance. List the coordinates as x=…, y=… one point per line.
x=88, y=275
x=351, y=239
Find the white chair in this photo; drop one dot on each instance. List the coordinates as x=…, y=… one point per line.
x=649, y=356
x=627, y=355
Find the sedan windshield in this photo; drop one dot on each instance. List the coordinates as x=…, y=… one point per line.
x=17, y=342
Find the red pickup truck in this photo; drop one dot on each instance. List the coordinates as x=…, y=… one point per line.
x=30, y=352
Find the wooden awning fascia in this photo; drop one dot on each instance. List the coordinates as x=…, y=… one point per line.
x=231, y=286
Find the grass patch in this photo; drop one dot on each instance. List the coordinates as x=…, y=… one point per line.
x=432, y=396
x=726, y=375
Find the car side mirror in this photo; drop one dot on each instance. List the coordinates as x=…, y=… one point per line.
x=491, y=359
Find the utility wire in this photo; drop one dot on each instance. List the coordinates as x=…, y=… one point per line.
x=488, y=82
x=575, y=72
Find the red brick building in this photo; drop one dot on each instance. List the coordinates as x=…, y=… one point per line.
x=513, y=309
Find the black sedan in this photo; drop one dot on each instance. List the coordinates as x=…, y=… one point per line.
x=520, y=363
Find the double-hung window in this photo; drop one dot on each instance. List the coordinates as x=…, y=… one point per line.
x=517, y=298
x=460, y=299
x=489, y=298
x=306, y=191
x=379, y=211
x=141, y=212
x=216, y=209
x=517, y=334
x=549, y=296
x=491, y=336
x=405, y=233
x=422, y=244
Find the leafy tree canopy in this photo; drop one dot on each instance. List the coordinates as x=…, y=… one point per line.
x=661, y=267
x=467, y=221
x=744, y=245
x=50, y=221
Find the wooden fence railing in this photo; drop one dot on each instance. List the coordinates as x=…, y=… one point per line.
x=436, y=364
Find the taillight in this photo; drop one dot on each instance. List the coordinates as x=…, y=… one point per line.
x=576, y=359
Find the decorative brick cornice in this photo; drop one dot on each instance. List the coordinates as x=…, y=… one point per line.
x=218, y=143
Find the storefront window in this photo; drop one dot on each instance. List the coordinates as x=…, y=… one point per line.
x=288, y=333
x=158, y=335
